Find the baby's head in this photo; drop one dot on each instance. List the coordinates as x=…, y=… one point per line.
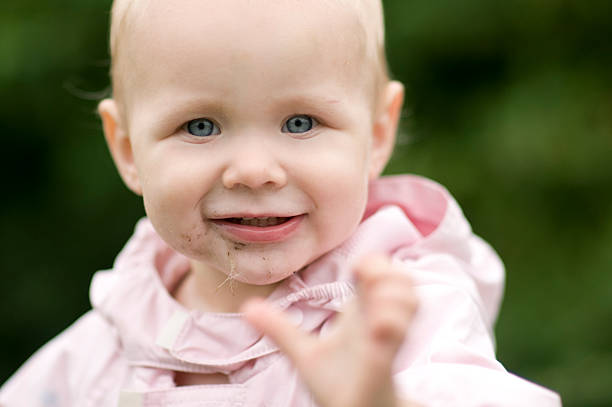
x=251, y=127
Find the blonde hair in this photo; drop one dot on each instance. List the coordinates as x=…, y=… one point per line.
x=369, y=13
x=120, y=13
x=371, y=16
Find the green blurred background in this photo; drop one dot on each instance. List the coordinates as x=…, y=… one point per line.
x=509, y=105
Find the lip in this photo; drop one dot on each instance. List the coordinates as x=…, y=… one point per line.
x=259, y=234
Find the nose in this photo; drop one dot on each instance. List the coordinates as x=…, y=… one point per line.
x=254, y=167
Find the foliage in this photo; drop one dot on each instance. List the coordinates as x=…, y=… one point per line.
x=508, y=105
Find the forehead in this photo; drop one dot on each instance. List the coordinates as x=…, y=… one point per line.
x=240, y=36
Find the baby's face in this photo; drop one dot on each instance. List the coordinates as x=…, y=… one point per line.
x=251, y=130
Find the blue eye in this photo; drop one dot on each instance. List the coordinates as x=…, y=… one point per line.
x=202, y=128
x=299, y=124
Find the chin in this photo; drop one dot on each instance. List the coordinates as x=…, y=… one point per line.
x=264, y=271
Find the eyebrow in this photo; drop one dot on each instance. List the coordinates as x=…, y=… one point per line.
x=169, y=111
x=309, y=101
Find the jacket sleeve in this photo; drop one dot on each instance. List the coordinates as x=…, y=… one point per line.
x=449, y=356
x=76, y=368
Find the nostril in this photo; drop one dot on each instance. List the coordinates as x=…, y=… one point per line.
x=254, y=176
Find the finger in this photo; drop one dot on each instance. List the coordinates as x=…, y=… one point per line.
x=366, y=272
x=389, y=328
x=380, y=280
x=386, y=299
x=393, y=294
x=368, y=267
x=372, y=269
x=277, y=326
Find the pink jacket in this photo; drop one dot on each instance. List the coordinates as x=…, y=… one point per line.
x=125, y=350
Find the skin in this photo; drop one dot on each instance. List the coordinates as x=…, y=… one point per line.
x=194, y=61
x=352, y=365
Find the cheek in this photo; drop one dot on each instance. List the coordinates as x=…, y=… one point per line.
x=337, y=182
x=175, y=178
x=344, y=201
x=173, y=183
x=341, y=170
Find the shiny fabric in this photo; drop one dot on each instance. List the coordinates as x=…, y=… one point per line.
x=126, y=349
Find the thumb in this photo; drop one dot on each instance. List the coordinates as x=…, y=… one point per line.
x=278, y=327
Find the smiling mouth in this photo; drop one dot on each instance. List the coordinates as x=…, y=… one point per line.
x=259, y=229
x=259, y=222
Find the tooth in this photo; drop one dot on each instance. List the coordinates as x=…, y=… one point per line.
x=260, y=222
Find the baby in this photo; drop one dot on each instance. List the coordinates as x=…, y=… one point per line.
x=275, y=267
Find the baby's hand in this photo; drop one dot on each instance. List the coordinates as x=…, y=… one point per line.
x=350, y=367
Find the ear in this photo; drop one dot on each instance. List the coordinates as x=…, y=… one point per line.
x=119, y=144
x=386, y=122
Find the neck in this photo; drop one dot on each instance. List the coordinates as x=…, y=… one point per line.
x=210, y=290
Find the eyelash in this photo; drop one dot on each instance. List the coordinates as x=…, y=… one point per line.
x=215, y=130
x=312, y=121
x=203, y=121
